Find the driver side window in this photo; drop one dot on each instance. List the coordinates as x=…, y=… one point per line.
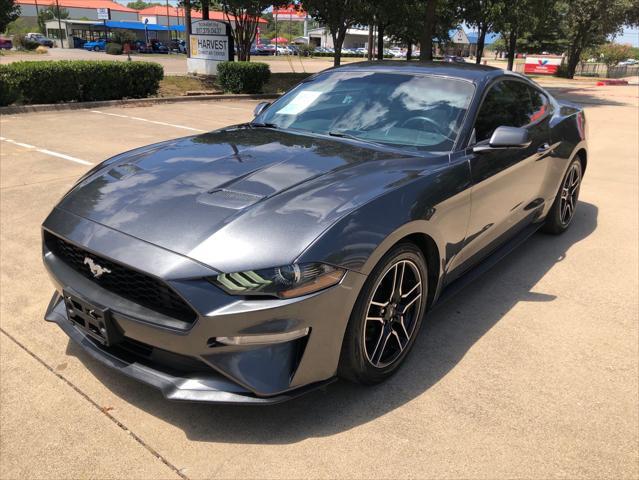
x=508, y=103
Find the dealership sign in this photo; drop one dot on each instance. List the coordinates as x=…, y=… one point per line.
x=542, y=64
x=211, y=40
x=104, y=13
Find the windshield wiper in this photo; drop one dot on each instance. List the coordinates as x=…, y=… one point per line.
x=263, y=125
x=337, y=133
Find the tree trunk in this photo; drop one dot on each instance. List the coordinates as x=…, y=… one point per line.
x=380, y=41
x=189, y=28
x=205, y=9
x=369, y=53
x=426, y=44
x=512, y=47
x=338, y=41
x=409, y=52
x=574, y=54
x=480, y=43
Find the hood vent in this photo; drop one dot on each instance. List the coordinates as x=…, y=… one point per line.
x=228, y=199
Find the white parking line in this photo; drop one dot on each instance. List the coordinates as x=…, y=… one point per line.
x=149, y=121
x=47, y=152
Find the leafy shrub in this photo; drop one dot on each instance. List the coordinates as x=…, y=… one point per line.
x=27, y=43
x=114, y=49
x=124, y=36
x=243, y=77
x=82, y=81
x=8, y=91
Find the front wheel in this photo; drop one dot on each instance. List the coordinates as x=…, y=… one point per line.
x=563, y=209
x=96, y=49
x=386, y=318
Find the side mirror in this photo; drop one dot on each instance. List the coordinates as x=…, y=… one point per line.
x=505, y=138
x=260, y=107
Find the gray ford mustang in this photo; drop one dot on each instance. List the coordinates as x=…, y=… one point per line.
x=256, y=262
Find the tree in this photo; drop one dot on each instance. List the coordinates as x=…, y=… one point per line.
x=588, y=23
x=428, y=30
x=517, y=19
x=613, y=53
x=406, y=27
x=482, y=15
x=245, y=16
x=9, y=11
x=338, y=16
x=49, y=13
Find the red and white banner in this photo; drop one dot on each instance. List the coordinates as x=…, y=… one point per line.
x=542, y=64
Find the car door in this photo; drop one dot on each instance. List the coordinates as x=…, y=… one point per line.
x=507, y=184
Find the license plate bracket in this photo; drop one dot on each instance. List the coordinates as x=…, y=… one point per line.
x=94, y=320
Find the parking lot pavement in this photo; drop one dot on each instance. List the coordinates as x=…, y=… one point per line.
x=176, y=64
x=532, y=372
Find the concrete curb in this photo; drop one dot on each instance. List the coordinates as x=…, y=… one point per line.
x=11, y=110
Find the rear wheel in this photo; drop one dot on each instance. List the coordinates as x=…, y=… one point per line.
x=96, y=49
x=563, y=209
x=387, y=316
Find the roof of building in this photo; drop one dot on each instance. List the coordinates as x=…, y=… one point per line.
x=160, y=10
x=90, y=4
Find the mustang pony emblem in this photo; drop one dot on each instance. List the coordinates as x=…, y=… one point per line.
x=96, y=269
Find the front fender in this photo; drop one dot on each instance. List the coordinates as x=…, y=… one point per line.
x=436, y=205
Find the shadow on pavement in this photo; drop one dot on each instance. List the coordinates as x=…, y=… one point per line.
x=448, y=333
x=589, y=97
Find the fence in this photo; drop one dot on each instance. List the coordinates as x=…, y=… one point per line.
x=600, y=70
x=597, y=70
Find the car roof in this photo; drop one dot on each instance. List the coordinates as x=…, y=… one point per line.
x=466, y=71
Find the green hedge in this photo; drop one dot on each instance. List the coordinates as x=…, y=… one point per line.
x=8, y=91
x=243, y=77
x=82, y=81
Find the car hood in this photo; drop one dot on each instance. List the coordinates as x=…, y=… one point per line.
x=236, y=198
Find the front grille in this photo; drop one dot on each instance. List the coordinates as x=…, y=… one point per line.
x=123, y=281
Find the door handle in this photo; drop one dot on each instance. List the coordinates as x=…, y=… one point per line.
x=543, y=148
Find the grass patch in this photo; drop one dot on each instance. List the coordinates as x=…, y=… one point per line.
x=178, y=85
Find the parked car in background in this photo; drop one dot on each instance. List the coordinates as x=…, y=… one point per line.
x=265, y=49
x=6, y=43
x=41, y=39
x=177, y=46
x=454, y=59
x=628, y=63
x=96, y=45
x=155, y=46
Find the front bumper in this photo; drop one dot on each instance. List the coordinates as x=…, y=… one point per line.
x=186, y=362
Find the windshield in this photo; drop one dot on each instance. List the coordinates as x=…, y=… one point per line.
x=419, y=112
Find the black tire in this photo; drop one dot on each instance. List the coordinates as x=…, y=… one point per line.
x=96, y=49
x=563, y=208
x=359, y=340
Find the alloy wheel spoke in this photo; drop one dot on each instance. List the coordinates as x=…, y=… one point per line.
x=378, y=353
x=401, y=280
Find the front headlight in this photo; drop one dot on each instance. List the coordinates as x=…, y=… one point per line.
x=284, y=282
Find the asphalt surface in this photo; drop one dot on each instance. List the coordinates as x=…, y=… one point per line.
x=175, y=64
x=531, y=372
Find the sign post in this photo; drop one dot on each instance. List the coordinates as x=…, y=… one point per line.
x=211, y=42
x=104, y=14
